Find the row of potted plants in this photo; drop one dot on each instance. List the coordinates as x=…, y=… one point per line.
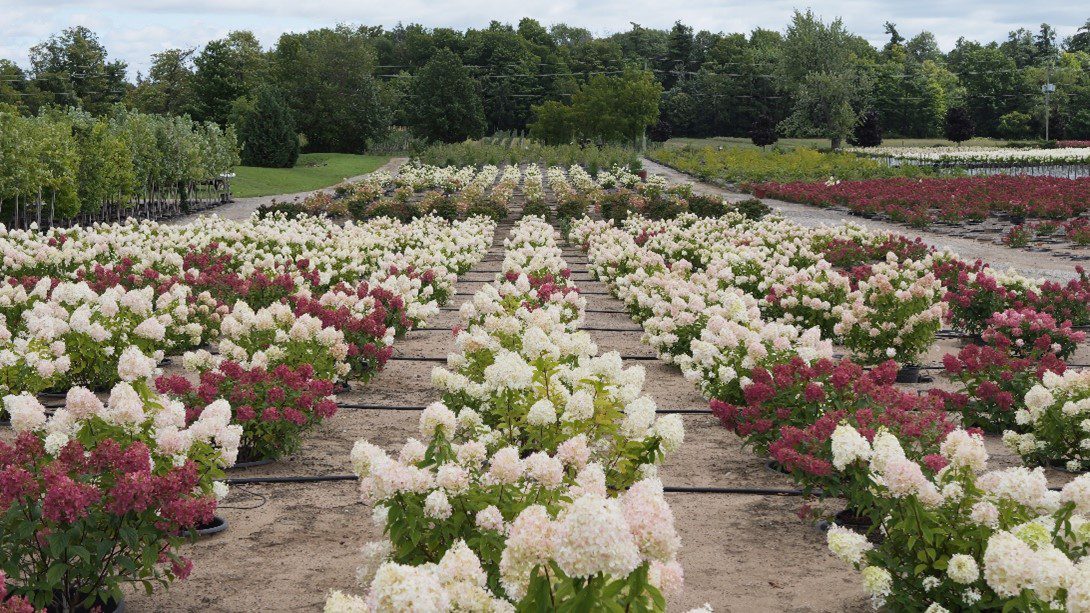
x=1067, y=152
x=99, y=495
x=921, y=202
x=900, y=459
x=1075, y=230
x=532, y=486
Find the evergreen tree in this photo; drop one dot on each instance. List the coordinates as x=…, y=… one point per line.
x=660, y=132
x=868, y=132
x=266, y=130
x=959, y=125
x=763, y=131
x=443, y=101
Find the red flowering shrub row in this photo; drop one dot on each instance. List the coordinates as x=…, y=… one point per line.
x=796, y=396
x=792, y=410
x=367, y=352
x=1030, y=333
x=993, y=384
x=974, y=295
x=923, y=201
x=207, y=270
x=1076, y=230
x=848, y=254
x=274, y=407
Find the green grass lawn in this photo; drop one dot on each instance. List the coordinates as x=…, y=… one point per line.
x=312, y=171
x=815, y=143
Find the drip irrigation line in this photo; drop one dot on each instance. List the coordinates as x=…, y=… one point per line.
x=675, y=489
x=584, y=328
x=430, y=358
x=752, y=491
x=233, y=481
x=669, y=489
x=380, y=407
x=367, y=406
x=263, y=499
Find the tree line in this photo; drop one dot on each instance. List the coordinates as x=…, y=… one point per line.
x=62, y=165
x=347, y=88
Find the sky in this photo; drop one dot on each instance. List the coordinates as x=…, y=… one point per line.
x=132, y=30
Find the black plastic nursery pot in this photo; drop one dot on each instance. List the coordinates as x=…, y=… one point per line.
x=248, y=459
x=776, y=467
x=1061, y=465
x=217, y=525
x=850, y=518
x=909, y=373
x=109, y=606
x=252, y=463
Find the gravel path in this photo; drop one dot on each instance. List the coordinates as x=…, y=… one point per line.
x=1000, y=257
x=242, y=208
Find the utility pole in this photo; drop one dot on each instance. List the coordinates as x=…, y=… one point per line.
x=1047, y=89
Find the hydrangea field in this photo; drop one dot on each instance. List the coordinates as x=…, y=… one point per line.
x=525, y=388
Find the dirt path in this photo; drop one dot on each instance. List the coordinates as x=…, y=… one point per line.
x=241, y=208
x=1000, y=257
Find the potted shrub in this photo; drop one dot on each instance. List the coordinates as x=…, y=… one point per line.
x=1056, y=419
x=273, y=406
x=992, y=384
x=100, y=496
x=970, y=540
x=893, y=314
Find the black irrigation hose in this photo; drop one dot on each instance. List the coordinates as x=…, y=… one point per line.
x=679, y=489
x=380, y=407
x=430, y=358
x=252, y=494
x=365, y=406
x=232, y=481
x=669, y=489
x=586, y=328
x=753, y=491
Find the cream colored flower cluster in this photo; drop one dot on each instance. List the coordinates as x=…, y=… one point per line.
x=979, y=155
x=134, y=407
x=893, y=314
x=1056, y=422
x=707, y=320
x=538, y=456
x=1005, y=536
x=68, y=334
